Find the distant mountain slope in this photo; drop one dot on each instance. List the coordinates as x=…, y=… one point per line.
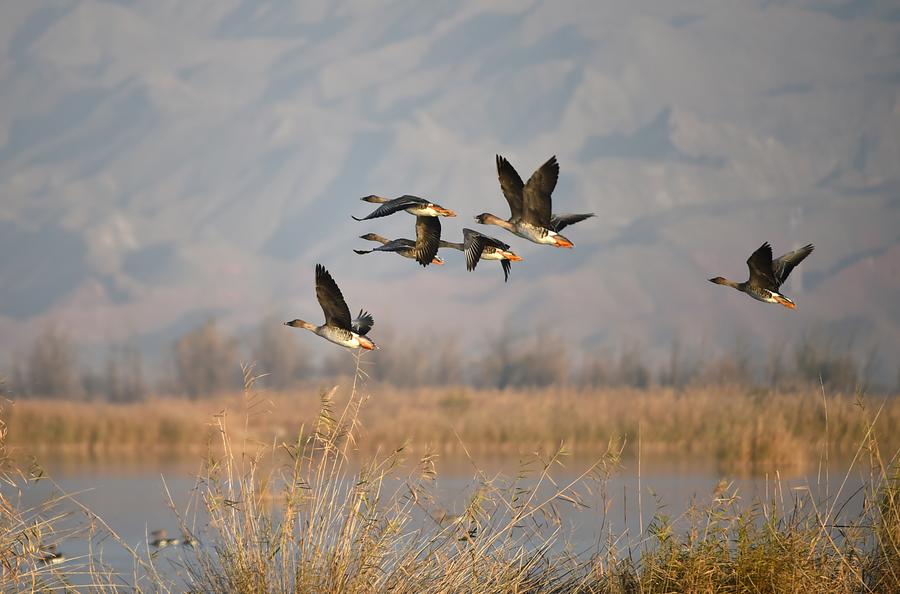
x=160, y=161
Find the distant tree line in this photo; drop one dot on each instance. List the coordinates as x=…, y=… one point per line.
x=206, y=361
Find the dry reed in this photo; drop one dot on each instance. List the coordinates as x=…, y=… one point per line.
x=298, y=515
x=738, y=430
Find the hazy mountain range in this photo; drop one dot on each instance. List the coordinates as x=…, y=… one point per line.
x=161, y=162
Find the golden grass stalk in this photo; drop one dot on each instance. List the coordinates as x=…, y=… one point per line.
x=739, y=431
x=305, y=515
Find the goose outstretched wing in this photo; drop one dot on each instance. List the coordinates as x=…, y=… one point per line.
x=331, y=300
x=560, y=222
x=512, y=187
x=363, y=323
x=428, y=239
x=475, y=243
x=536, y=196
x=760, y=265
x=783, y=265
x=392, y=206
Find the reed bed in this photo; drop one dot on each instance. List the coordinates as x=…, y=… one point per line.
x=736, y=429
x=300, y=515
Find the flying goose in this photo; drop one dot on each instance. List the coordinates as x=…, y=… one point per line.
x=767, y=275
x=411, y=204
x=530, y=205
x=338, y=327
x=403, y=247
x=423, y=250
x=478, y=246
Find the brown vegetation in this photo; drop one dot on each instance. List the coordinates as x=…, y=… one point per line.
x=734, y=428
x=296, y=517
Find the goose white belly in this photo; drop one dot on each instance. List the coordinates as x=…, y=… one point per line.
x=768, y=296
x=764, y=295
x=345, y=338
x=535, y=234
x=423, y=211
x=492, y=255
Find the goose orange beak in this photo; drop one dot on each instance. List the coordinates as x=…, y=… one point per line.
x=445, y=212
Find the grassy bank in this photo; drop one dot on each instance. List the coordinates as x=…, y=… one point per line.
x=737, y=429
x=297, y=516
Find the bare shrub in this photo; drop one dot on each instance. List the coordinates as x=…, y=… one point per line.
x=205, y=361
x=279, y=354
x=53, y=366
x=818, y=359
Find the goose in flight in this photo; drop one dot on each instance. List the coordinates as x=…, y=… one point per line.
x=403, y=247
x=530, y=205
x=423, y=250
x=338, y=327
x=767, y=275
x=477, y=246
x=411, y=204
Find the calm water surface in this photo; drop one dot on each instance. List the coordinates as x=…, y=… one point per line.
x=132, y=499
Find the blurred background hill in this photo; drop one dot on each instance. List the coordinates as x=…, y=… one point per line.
x=166, y=164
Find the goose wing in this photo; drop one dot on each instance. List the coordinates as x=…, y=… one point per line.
x=512, y=187
x=363, y=323
x=475, y=243
x=428, y=239
x=392, y=206
x=760, y=265
x=395, y=245
x=560, y=222
x=783, y=265
x=506, y=266
x=331, y=300
x=536, y=197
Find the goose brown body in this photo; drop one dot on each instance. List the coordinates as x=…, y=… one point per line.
x=402, y=247
x=338, y=328
x=477, y=246
x=531, y=206
x=768, y=274
x=414, y=205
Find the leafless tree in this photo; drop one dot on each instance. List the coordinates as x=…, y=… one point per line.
x=206, y=362
x=123, y=379
x=595, y=370
x=631, y=369
x=818, y=359
x=497, y=364
x=447, y=361
x=53, y=366
x=775, y=369
x=279, y=353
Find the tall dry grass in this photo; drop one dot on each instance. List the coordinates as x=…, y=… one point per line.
x=739, y=430
x=318, y=523
x=298, y=515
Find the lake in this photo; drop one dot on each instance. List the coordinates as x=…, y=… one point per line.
x=132, y=499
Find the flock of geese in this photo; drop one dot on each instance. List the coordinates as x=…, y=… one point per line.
x=531, y=217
